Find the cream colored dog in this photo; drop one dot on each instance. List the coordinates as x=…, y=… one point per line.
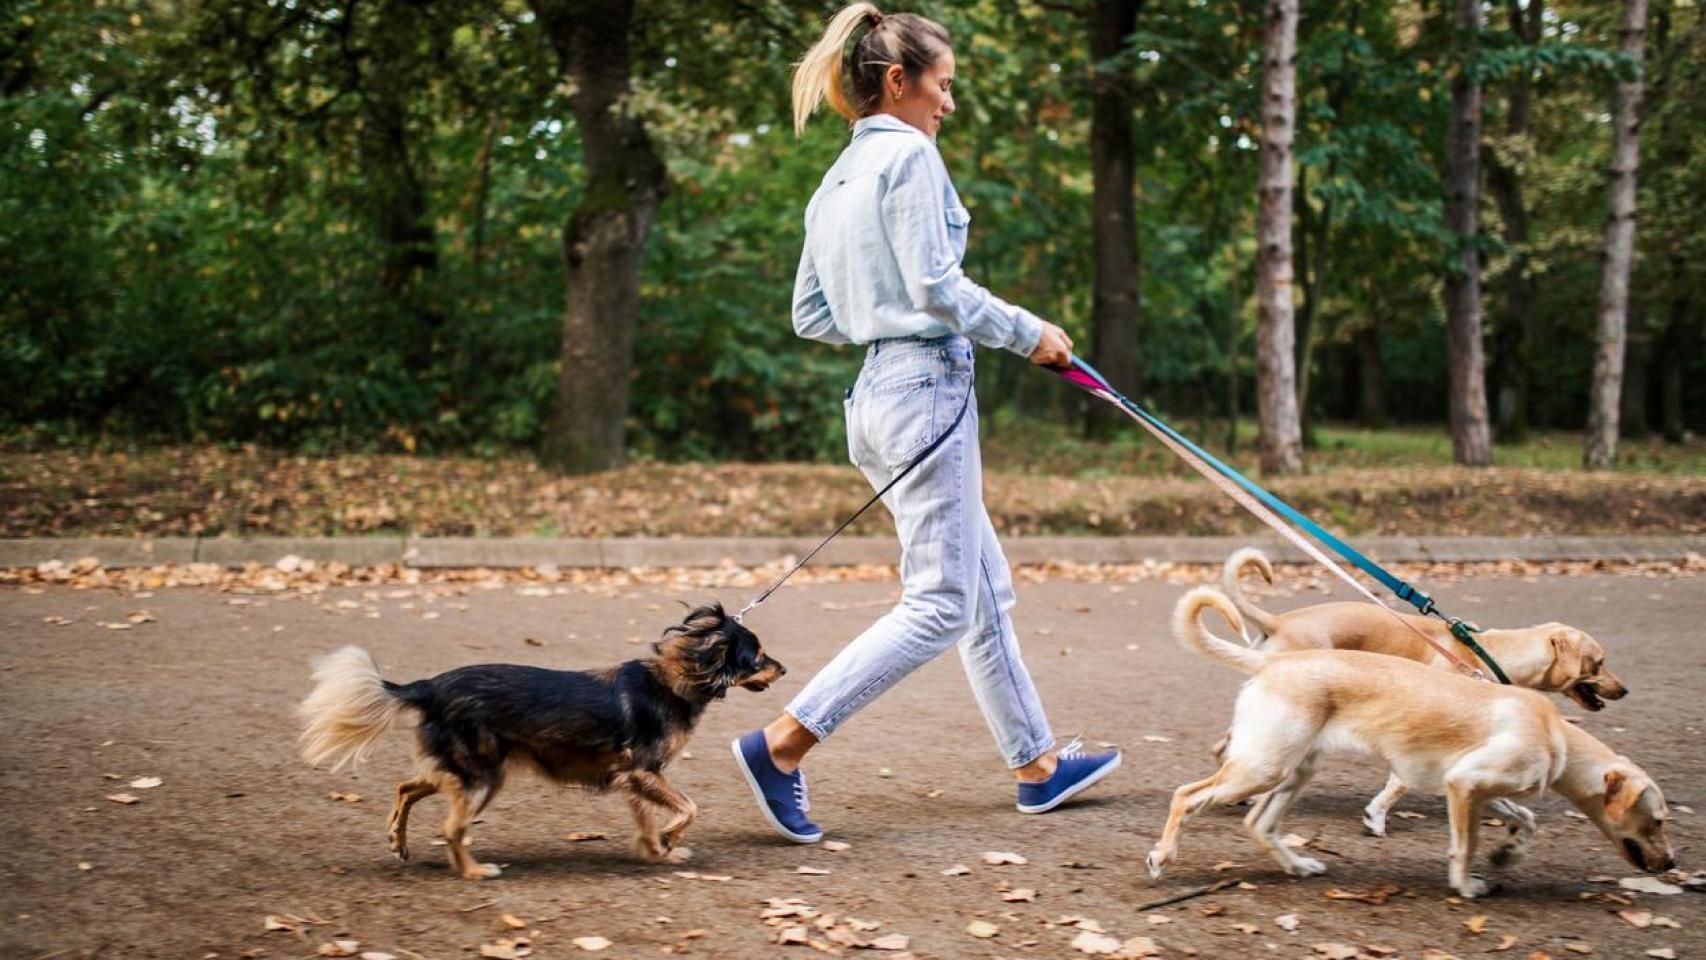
x=1439, y=731
x=1551, y=656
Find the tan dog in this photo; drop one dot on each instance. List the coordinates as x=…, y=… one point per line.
x=1551, y=656
x=1441, y=732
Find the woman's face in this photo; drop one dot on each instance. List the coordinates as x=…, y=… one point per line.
x=925, y=101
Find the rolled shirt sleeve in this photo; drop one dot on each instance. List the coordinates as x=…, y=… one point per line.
x=915, y=216
x=812, y=318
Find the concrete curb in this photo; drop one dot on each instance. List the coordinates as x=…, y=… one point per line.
x=510, y=553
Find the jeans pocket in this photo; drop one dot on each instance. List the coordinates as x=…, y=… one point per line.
x=898, y=419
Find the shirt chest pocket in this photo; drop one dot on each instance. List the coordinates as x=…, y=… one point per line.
x=959, y=224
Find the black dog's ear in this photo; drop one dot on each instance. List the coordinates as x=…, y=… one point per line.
x=745, y=652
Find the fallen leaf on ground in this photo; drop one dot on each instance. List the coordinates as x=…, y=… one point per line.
x=1139, y=947
x=1019, y=895
x=982, y=929
x=997, y=858
x=1435, y=953
x=507, y=949
x=1578, y=947
x=1335, y=951
x=1649, y=885
x=1639, y=919
x=1477, y=923
x=1211, y=910
x=1409, y=815
x=514, y=922
x=144, y=783
x=1657, y=921
x=377, y=955
x=845, y=937
x=345, y=797
x=1226, y=865
x=792, y=935
x=288, y=924
x=1095, y=943
x=338, y=948
x=1249, y=928
x=1505, y=943
x=812, y=871
x=582, y=836
x=1286, y=921
x=1152, y=738
x=590, y=944
x=835, y=846
x=1293, y=840
x=957, y=870
x=891, y=941
x=1377, y=896
x=1662, y=953
x=123, y=798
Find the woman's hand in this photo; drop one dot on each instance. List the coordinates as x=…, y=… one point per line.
x=1054, y=348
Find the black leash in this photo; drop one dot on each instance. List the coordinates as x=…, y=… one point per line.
x=922, y=456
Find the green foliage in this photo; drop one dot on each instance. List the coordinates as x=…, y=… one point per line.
x=331, y=226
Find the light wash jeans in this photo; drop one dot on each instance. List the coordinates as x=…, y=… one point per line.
x=955, y=584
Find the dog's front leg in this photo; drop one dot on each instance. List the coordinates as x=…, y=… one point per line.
x=1464, y=807
x=652, y=787
x=1374, y=815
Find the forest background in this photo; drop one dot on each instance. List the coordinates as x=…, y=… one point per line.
x=335, y=228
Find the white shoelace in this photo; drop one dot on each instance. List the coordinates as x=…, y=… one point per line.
x=1072, y=749
x=800, y=793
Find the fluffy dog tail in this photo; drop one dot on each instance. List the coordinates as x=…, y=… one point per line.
x=1232, y=572
x=348, y=710
x=1189, y=631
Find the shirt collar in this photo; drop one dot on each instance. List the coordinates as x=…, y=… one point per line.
x=883, y=121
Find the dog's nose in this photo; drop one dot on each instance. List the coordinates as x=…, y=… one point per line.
x=781, y=671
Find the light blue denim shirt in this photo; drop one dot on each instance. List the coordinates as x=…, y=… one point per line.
x=885, y=234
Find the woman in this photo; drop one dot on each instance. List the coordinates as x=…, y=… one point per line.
x=885, y=234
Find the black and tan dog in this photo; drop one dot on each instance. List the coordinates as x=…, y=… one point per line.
x=613, y=729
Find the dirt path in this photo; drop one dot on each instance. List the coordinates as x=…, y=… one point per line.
x=239, y=828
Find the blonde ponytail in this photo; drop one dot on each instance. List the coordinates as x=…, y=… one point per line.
x=819, y=73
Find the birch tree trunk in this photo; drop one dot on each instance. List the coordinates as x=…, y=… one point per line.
x=1276, y=387
x=1471, y=441
x=1600, y=450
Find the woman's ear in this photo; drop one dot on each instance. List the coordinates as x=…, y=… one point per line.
x=894, y=82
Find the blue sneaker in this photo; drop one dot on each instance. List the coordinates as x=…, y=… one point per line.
x=1074, y=772
x=781, y=796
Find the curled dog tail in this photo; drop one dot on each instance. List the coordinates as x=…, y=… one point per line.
x=1189, y=631
x=1232, y=572
x=348, y=710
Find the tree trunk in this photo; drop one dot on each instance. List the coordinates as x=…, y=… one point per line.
x=1371, y=376
x=1600, y=449
x=604, y=241
x=1113, y=168
x=1470, y=443
x=1276, y=387
x=1509, y=367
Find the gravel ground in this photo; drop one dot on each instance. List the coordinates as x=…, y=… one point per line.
x=200, y=695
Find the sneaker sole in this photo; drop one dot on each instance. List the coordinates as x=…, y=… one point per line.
x=1076, y=789
x=764, y=804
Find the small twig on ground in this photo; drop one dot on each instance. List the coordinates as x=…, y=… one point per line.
x=479, y=906
x=1214, y=887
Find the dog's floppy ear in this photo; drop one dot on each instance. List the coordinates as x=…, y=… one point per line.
x=1566, y=650
x=1621, y=792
